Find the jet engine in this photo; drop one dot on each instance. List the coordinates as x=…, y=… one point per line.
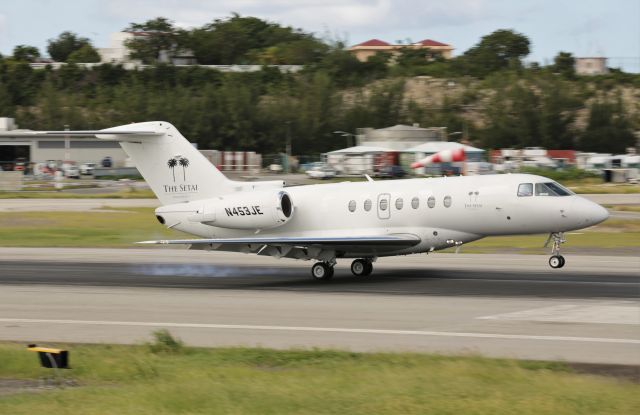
x=245, y=210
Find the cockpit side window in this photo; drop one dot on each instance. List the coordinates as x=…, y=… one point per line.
x=552, y=189
x=525, y=189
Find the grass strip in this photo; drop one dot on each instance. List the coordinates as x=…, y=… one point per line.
x=123, y=194
x=169, y=380
x=122, y=227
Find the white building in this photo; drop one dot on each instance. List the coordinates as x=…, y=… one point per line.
x=591, y=66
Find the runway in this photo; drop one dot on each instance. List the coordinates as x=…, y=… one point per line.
x=494, y=305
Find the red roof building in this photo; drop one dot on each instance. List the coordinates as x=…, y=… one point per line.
x=374, y=42
x=363, y=51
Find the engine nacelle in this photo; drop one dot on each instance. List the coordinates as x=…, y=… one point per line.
x=245, y=210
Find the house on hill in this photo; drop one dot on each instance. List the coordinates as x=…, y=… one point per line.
x=433, y=49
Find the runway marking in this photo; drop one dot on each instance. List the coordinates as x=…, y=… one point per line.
x=325, y=330
x=570, y=313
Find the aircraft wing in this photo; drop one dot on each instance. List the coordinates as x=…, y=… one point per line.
x=395, y=240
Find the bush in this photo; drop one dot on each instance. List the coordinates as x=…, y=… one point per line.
x=164, y=342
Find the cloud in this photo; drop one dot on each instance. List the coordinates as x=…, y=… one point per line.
x=312, y=15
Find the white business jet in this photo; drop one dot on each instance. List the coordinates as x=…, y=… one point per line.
x=327, y=222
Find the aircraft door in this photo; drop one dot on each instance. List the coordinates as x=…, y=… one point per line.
x=384, y=206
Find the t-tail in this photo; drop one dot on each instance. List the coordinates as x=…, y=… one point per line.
x=174, y=169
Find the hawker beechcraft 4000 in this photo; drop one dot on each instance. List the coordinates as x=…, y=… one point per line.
x=326, y=222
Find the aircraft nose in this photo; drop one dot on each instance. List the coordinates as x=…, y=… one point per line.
x=592, y=213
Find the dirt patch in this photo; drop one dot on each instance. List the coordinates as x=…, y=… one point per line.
x=621, y=372
x=13, y=386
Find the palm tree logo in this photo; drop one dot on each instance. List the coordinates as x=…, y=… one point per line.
x=184, y=163
x=172, y=163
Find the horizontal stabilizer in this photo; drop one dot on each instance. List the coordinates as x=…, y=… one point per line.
x=85, y=133
x=400, y=240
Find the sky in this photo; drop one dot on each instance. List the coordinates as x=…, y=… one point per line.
x=608, y=28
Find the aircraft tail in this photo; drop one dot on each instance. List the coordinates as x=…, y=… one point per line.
x=174, y=169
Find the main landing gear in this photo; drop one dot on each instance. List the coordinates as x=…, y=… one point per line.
x=323, y=271
x=361, y=267
x=556, y=260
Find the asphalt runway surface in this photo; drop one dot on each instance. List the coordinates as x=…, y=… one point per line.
x=493, y=305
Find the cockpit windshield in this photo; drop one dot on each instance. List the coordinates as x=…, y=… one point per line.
x=552, y=189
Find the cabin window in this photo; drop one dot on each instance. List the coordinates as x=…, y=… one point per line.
x=352, y=206
x=525, y=189
x=399, y=203
x=447, y=201
x=415, y=202
x=367, y=205
x=431, y=202
x=384, y=204
x=552, y=189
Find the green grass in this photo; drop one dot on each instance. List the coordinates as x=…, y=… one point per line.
x=623, y=208
x=606, y=189
x=120, y=228
x=612, y=236
x=124, y=226
x=134, y=380
x=123, y=194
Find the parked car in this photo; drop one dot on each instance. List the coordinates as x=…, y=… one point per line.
x=391, y=171
x=107, y=162
x=70, y=170
x=321, y=172
x=87, y=168
x=20, y=164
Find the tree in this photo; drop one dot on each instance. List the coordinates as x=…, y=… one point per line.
x=238, y=40
x=499, y=50
x=152, y=39
x=26, y=53
x=172, y=163
x=608, y=129
x=86, y=54
x=564, y=63
x=184, y=163
x=65, y=44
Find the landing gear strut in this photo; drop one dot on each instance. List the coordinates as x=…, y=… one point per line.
x=322, y=271
x=361, y=267
x=556, y=260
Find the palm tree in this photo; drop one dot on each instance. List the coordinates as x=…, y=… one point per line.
x=184, y=162
x=172, y=163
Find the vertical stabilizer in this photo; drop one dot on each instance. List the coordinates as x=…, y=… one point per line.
x=174, y=169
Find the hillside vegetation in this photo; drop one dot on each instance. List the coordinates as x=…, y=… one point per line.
x=487, y=90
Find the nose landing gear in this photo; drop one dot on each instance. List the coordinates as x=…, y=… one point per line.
x=556, y=260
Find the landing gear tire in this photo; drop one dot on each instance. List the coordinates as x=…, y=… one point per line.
x=556, y=261
x=322, y=271
x=361, y=267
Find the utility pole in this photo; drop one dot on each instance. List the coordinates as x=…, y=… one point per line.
x=288, y=147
